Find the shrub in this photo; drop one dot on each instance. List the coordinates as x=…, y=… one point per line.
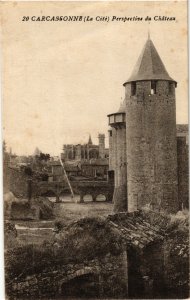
x=83, y=240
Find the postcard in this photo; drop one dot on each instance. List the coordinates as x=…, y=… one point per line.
x=95, y=149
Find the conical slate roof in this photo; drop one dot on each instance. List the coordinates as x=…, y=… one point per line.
x=122, y=107
x=149, y=65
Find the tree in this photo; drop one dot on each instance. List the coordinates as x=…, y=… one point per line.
x=44, y=156
x=28, y=171
x=4, y=146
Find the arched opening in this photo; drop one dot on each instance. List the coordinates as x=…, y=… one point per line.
x=51, y=195
x=65, y=195
x=76, y=198
x=87, y=198
x=101, y=198
x=84, y=286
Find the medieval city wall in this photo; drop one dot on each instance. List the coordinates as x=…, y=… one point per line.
x=19, y=183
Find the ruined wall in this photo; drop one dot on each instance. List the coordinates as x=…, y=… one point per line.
x=22, y=185
x=176, y=261
x=18, y=184
x=110, y=271
x=155, y=265
x=183, y=172
x=151, y=146
x=145, y=271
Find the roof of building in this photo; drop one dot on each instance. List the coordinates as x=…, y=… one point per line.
x=96, y=162
x=70, y=166
x=140, y=228
x=149, y=65
x=137, y=229
x=122, y=108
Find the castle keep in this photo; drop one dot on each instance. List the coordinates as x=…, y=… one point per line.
x=143, y=141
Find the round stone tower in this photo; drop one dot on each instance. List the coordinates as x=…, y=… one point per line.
x=117, y=159
x=151, y=134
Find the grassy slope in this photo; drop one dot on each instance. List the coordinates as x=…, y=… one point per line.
x=64, y=212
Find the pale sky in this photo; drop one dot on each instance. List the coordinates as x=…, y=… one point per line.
x=61, y=79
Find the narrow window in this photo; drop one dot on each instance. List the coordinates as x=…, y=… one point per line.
x=110, y=133
x=133, y=88
x=153, y=87
x=170, y=88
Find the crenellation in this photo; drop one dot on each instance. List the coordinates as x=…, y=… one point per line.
x=143, y=88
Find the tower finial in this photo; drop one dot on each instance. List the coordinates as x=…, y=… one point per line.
x=90, y=140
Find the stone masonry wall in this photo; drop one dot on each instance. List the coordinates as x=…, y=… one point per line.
x=120, y=191
x=18, y=183
x=22, y=185
x=101, y=138
x=151, y=147
x=183, y=172
x=111, y=271
x=111, y=145
x=113, y=151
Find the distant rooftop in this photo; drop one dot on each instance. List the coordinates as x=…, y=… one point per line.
x=97, y=162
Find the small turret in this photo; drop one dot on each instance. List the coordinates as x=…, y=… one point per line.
x=117, y=159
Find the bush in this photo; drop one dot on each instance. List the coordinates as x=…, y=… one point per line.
x=27, y=260
x=83, y=240
x=177, y=255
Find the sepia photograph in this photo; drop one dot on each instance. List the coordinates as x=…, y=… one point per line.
x=95, y=149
